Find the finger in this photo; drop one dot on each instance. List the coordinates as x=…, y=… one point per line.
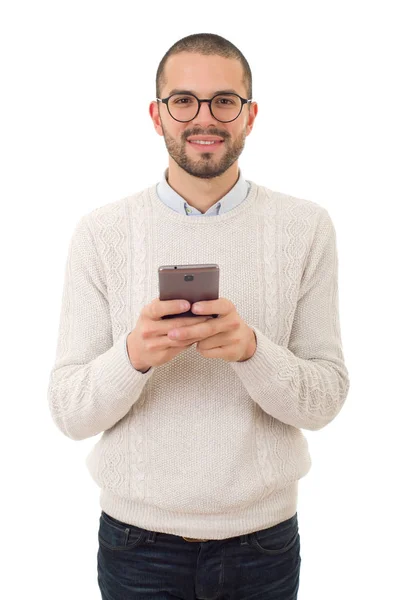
x=163, y=328
x=219, y=340
x=181, y=343
x=219, y=306
x=198, y=331
x=164, y=342
x=159, y=308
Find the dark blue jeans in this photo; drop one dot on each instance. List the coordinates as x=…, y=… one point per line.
x=135, y=563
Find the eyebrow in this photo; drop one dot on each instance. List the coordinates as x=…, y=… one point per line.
x=180, y=91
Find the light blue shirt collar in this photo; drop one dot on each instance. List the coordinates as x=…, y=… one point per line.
x=172, y=199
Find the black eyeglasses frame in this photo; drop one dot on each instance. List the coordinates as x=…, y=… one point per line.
x=208, y=100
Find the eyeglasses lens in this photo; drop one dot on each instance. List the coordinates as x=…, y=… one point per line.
x=225, y=107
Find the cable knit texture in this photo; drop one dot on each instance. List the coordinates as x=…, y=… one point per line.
x=201, y=447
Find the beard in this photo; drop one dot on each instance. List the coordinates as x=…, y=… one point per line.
x=208, y=164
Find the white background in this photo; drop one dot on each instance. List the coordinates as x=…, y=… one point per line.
x=77, y=79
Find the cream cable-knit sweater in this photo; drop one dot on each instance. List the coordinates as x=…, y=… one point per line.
x=201, y=447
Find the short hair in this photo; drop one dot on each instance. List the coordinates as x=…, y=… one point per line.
x=207, y=44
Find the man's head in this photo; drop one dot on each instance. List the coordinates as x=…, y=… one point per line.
x=204, y=64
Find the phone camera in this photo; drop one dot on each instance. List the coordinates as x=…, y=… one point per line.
x=188, y=278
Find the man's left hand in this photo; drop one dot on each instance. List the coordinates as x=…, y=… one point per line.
x=227, y=337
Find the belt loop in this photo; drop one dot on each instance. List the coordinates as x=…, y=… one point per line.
x=244, y=540
x=127, y=530
x=151, y=538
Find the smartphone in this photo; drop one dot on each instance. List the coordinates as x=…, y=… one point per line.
x=189, y=282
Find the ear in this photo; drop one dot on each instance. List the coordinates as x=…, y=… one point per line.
x=252, y=115
x=155, y=116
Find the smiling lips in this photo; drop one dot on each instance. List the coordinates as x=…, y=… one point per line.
x=208, y=141
x=205, y=140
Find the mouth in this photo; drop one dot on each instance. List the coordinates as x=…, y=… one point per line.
x=207, y=147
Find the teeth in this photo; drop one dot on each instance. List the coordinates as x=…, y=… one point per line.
x=202, y=142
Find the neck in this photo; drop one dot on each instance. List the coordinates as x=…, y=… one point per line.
x=201, y=193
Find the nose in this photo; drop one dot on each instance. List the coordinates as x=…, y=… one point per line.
x=204, y=116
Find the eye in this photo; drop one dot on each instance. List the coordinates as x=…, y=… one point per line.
x=182, y=100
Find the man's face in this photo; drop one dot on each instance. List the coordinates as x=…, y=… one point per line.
x=204, y=76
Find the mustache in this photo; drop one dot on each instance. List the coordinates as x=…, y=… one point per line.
x=216, y=133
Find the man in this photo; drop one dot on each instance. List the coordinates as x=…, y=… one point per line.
x=202, y=449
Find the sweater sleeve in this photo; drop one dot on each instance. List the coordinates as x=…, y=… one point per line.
x=92, y=383
x=304, y=385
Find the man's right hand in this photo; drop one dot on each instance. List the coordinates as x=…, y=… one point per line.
x=148, y=344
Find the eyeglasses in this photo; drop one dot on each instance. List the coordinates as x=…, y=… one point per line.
x=223, y=107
